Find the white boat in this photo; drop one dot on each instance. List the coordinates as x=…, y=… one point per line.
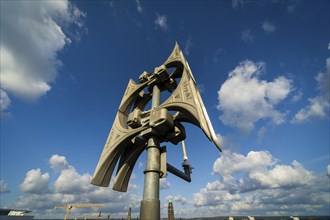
x=14, y=214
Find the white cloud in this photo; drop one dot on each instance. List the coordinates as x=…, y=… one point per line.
x=259, y=170
x=4, y=104
x=139, y=7
x=268, y=27
x=164, y=184
x=238, y=3
x=244, y=99
x=231, y=163
x=71, y=187
x=215, y=186
x=282, y=176
x=318, y=106
x=58, y=163
x=161, y=21
x=262, y=186
x=31, y=36
x=69, y=181
x=3, y=187
x=35, y=182
x=217, y=54
x=309, y=192
x=188, y=46
x=140, y=165
x=297, y=97
x=292, y=5
x=247, y=36
x=179, y=199
x=328, y=170
x=72, y=182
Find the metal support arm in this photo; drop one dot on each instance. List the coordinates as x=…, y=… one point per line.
x=183, y=175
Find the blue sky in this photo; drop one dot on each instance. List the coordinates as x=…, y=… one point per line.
x=263, y=71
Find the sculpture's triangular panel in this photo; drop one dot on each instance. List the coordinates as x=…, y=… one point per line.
x=186, y=98
x=133, y=126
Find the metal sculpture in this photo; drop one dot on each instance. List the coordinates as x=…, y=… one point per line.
x=136, y=129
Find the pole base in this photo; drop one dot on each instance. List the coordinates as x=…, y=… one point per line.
x=150, y=210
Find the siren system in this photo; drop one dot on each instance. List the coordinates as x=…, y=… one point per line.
x=134, y=125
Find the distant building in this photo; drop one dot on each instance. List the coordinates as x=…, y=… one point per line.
x=170, y=210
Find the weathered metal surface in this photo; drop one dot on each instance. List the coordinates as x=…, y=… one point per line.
x=136, y=129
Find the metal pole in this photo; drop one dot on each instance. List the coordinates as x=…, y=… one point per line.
x=184, y=151
x=150, y=204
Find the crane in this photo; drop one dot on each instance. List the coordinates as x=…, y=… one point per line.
x=69, y=207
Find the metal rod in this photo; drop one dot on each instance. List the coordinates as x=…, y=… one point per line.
x=184, y=151
x=185, y=176
x=150, y=204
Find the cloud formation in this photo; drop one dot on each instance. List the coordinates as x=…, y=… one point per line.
x=247, y=36
x=318, y=106
x=72, y=182
x=58, y=163
x=179, y=199
x=164, y=184
x=244, y=99
x=188, y=46
x=268, y=27
x=4, y=187
x=139, y=7
x=258, y=184
x=71, y=187
x=35, y=182
x=32, y=34
x=161, y=22
x=4, y=104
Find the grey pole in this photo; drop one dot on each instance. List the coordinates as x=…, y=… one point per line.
x=150, y=204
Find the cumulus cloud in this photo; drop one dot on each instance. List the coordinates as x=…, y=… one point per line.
x=257, y=184
x=179, y=199
x=35, y=182
x=318, y=106
x=3, y=187
x=32, y=33
x=245, y=99
x=161, y=22
x=58, y=163
x=71, y=187
x=72, y=182
x=164, y=184
x=259, y=170
x=69, y=181
x=268, y=27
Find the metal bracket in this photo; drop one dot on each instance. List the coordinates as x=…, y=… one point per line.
x=183, y=175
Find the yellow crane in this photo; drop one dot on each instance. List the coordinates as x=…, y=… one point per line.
x=69, y=207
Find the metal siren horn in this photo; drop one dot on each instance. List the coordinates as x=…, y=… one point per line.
x=186, y=99
x=121, y=137
x=133, y=126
